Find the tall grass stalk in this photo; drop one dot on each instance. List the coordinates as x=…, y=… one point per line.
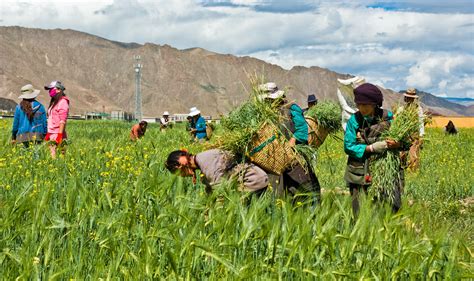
x=385, y=168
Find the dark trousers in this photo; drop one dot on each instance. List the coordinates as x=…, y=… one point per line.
x=294, y=181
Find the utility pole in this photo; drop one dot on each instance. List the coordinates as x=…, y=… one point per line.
x=138, y=95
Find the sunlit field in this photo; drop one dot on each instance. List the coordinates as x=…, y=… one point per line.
x=109, y=209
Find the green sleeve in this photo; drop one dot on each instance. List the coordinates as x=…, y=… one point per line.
x=351, y=147
x=301, y=127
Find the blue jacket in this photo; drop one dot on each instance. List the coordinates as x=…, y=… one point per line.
x=201, y=128
x=23, y=129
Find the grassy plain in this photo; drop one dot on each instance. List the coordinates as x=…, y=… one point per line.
x=110, y=210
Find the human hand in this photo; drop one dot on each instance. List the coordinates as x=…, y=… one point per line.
x=378, y=147
x=292, y=142
x=59, y=138
x=391, y=144
x=46, y=137
x=13, y=142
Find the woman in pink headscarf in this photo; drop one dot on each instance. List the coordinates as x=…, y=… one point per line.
x=58, y=111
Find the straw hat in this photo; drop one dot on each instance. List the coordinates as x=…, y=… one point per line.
x=194, y=111
x=28, y=92
x=411, y=93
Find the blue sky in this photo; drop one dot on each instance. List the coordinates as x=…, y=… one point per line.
x=425, y=44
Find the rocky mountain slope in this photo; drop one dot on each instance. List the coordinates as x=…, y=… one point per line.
x=98, y=74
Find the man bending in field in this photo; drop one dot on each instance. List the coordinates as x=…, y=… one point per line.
x=216, y=164
x=138, y=130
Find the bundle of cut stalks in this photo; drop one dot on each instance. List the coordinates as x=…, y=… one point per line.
x=328, y=115
x=244, y=125
x=385, y=168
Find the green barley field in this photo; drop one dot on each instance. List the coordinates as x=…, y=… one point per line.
x=110, y=210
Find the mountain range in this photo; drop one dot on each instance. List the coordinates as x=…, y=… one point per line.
x=98, y=75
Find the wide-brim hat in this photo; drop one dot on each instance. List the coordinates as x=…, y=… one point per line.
x=275, y=95
x=166, y=113
x=268, y=87
x=411, y=93
x=194, y=111
x=28, y=92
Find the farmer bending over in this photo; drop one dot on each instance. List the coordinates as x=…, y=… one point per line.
x=138, y=130
x=216, y=164
x=362, y=139
x=450, y=129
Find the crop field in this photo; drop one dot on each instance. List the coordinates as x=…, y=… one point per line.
x=110, y=210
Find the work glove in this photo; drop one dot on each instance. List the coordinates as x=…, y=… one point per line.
x=46, y=138
x=378, y=147
x=59, y=138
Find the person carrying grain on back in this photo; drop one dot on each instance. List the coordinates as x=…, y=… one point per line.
x=312, y=101
x=362, y=140
x=58, y=112
x=296, y=178
x=199, y=129
x=138, y=130
x=413, y=161
x=215, y=164
x=29, y=122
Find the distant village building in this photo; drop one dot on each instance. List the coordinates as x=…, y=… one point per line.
x=121, y=115
x=96, y=115
x=151, y=119
x=180, y=117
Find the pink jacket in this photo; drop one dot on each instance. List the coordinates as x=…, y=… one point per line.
x=57, y=115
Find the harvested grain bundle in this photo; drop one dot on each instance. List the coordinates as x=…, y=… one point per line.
x=242, y=124
x=386, y=167
x=328, y=115
x=257, y=130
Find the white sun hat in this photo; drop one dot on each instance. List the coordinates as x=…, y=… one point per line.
x=28, y=92
x=193, y=111
x=166, y=113
x=270, y=91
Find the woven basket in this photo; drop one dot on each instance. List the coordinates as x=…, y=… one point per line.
x=316, y=134
x=271, y=151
